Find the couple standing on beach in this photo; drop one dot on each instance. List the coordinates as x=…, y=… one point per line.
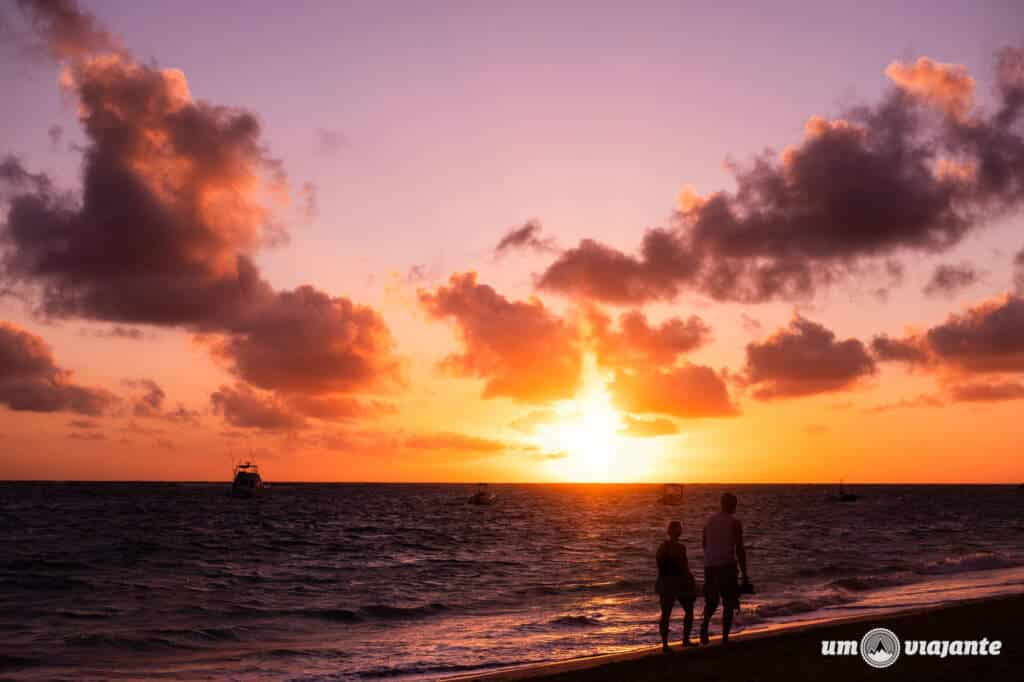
x=723, y=552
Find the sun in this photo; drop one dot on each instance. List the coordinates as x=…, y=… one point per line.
x=587, y=431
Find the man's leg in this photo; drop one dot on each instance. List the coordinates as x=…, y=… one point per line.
x=710, y=603
x=730, y=589
x=687, y=602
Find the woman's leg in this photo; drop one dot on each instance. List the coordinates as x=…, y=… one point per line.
x=667, y=602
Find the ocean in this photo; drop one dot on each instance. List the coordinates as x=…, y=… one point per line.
x=368, y=581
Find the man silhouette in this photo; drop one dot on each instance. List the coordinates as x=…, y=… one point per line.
x=723, y=550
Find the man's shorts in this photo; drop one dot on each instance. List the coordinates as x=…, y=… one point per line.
x=722, y=581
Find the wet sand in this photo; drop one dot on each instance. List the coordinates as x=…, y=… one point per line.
x=793, y=654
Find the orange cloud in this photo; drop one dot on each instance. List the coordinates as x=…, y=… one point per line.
x=948, y=86
x=521, y=349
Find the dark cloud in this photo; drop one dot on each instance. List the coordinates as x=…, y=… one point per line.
x=689, y=391
x=804, y=359
x=305, y=341
x=243, y=407
x=177, y=196
x=150, y=403
x=636, y=342
x=527, y=236
x=916, y=172
x=987, y=391
x=648, y=428
x=66, y=31
x=520, y=349
x=988, y=337
x=910, y=350
x=949, y=279
x=119, y=332
x=31, y=381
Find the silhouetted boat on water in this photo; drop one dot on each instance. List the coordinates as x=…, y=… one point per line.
x=482, y=496
x=671, y=494
x=248, y=482
x=845, y=496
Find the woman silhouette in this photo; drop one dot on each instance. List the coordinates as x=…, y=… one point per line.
x=675, y=583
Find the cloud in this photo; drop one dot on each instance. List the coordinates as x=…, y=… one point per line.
x=118, y=332
x=988, y=337
x=243, y=407
x=910, y=350
x=305, y=341
x=339, y=408
x=529, y=422
x=804, y=359
x=177, y=196
x=914, y=173
x=65, y=31
x=688, y=391
x=648, y=428
x=923, y=400
x=987, y=391
x=1018, y=273
x=526, y=236
x=635, y=341
x=31, y=381
x=948, y=279
x=949, y=86
x=455, y=442
x=84, y=424
x=150, y=404
x=521, y=349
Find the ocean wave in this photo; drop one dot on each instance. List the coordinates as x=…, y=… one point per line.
x=399, y=612
x=863, y=583
x=576, y=621
x=797, y=606
x=975, y=561
x=149, y=643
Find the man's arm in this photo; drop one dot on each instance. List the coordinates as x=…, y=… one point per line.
x=741, y=551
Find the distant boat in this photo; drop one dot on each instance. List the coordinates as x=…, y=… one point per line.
x=482, y=496
x=671, y=494
x=845, y=496
x=248, y=482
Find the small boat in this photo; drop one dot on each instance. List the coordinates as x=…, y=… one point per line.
x=845, y=496
x=248, y=482
x=671, y=494
x=482, y=496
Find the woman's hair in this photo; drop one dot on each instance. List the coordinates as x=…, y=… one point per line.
x=675, y=529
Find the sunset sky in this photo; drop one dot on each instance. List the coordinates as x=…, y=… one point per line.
x=512, y=242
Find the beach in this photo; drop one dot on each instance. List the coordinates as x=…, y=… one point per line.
x=794, y=653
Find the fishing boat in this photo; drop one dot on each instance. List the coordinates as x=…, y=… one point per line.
x=671, y=494
x=248, y=482
x=482, y=496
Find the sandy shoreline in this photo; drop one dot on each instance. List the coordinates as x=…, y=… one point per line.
x=793, y=652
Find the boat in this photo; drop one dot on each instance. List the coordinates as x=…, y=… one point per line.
x=671, y=494
x=845, y=496
x=482, y=496
x=248, y=482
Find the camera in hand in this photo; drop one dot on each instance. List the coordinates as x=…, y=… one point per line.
x=746, y=587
